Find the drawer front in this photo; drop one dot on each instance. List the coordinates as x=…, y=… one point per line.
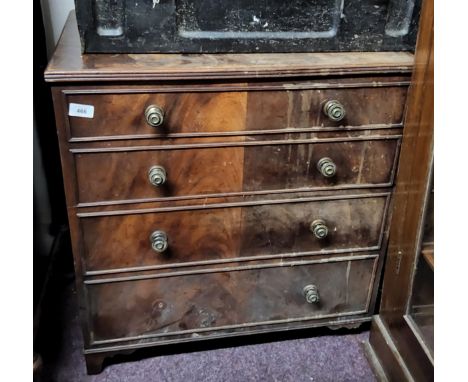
x=205, y=113
x=183, y=305
x=220, y=234
x=119, y=176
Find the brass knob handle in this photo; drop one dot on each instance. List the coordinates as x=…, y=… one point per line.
x=326, y=167
x=319, y=229
x=158, y=241
x=311, y=294
x=154, y=115
x=157, y=175
x=334, y=110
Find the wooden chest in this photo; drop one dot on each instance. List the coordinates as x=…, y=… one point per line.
x=224, y=195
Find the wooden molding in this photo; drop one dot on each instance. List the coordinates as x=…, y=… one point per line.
x=411, y=180
x=393, y=339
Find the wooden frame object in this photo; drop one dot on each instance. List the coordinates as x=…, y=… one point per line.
x=395, y=348
x=244, y=211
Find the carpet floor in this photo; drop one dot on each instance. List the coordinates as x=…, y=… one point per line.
x=333, y=356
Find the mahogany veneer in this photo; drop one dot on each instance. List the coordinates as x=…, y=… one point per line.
x=259, y=238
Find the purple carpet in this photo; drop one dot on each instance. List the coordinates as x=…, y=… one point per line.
x=321, y=358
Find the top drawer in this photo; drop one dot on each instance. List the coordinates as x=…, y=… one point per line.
x=206, y=112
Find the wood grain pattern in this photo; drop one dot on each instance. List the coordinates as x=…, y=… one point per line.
x=122, y=115
x=359, y=163
x=299, y=109
x=207, y=235
x=412, y=178
x=124, y=176
x=193, y=172
x=68, y=64
x=412, y=183
x=172, y=306
x=239, y=239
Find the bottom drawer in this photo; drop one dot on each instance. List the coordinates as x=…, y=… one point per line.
x=219, y=299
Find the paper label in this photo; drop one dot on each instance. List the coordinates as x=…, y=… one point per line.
x=78, y=110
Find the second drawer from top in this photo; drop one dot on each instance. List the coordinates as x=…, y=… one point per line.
x=178, y=171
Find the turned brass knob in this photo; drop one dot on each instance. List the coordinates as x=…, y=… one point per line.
x=154, y=115
x=319, y=229
x=158, y=241
x=334, y=110
x=326, y=167
x=157, y=175
x=311, y=294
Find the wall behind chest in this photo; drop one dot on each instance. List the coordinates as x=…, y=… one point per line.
x=55, y=13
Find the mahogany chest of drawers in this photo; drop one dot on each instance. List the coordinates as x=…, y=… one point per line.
x=223, y=195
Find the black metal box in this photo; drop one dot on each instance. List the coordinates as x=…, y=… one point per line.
x=208, y=26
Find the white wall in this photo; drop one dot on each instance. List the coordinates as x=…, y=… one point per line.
x=55, y=13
